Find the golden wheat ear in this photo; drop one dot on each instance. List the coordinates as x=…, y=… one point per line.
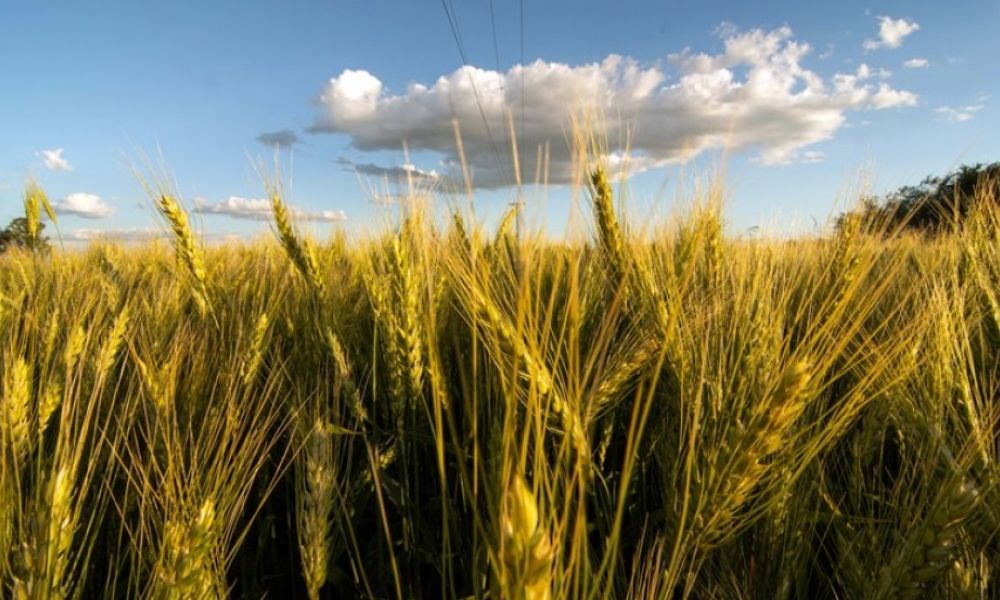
x=189, y=255
x=298, y=250
x=527, y=551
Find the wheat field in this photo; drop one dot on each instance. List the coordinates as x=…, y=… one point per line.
x=449, y=411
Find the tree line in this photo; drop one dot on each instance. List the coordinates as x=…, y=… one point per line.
x=933, y=206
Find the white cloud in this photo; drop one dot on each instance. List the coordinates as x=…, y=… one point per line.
x=887, y=97
x=88, y=206
x=260, y=210
x=143, y=234
x=126, y=234
x=54, y=161
x=725, y=29
x=797, y=157
x=812, y=156
x=891, y=33
x=917, y=63
x=756, y=94
x=959, y=114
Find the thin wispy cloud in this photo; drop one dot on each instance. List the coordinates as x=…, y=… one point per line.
x=725, y=30
x=88, y=206
x=259, y=209
x=141, y=234
x=285, y=138
x=54, y=160
x=891, y=33
x=756, y=95
x=917, y=63
x=959, y=114
x=128, y=234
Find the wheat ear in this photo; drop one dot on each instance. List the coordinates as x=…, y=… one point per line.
x=745, y=451
x=316, y=494
x=256, y=354
x=187, y=566
x=46, y=554
x=299, y=251
x=526, y=547
x=926, y=557
x=188, y=254
x=16, y=407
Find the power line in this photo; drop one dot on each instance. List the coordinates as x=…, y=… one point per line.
x=449, y=12
x=520, y=118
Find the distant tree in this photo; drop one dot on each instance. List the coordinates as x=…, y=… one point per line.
x=16, y=235
x=936, y=203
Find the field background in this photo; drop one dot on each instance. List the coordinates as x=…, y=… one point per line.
x=450, y=412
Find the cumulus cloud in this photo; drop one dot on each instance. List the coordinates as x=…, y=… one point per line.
x=891, y=33
x=259, y=209
x=917, y=63
x=959, y=114
x=54, y=161
x=887, y=97
x=285, y=138
x=88, y=206
x=756, y=94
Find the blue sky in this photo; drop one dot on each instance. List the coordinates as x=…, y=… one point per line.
x=803, y=97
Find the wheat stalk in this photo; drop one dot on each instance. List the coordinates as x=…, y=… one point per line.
x=299, y=251
x=613, y=382
x=47, y=404
x=46, y=554
x=316, y=500
x=36, y=200
x=187, y=566
x=743, y=456
x=112, y=344
x=188, y=254
x=527, y=553
x=256, y=354
x=930, y=553
x=16, y=411
x=408, y=329
x=381, y=296
x=610, y=233
x=507, y=223
x=346, y=376
x=633, y=276
x=535, y=370
x=52, y=394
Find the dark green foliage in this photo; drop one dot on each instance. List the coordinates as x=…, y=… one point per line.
x=936, y=204
x=16, y=236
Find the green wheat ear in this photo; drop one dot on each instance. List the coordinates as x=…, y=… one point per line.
x=934, y=548
x=316, y=496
